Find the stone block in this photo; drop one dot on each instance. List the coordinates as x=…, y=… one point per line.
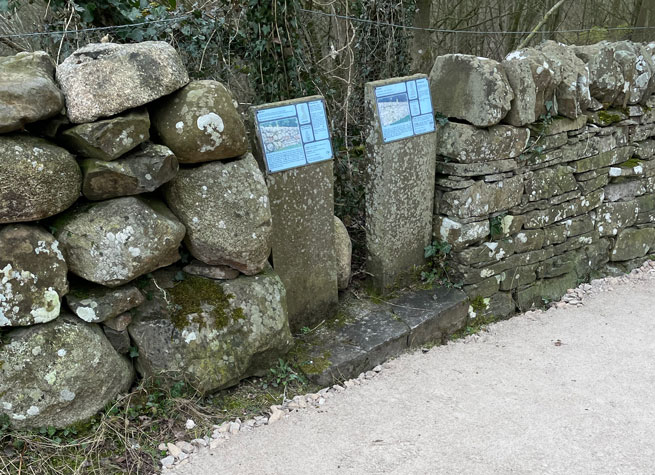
x=483, y=198
x=633, y=243
x=459, y=234
x=399, y=197
x=470, y=88
x=303, y=239
x=614, y=216
x=465, y=143
x=549, y=182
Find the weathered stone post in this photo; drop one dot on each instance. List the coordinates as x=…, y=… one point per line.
x=401, y=155
x=291, y=141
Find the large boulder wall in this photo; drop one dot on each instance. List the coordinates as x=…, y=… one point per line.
x=32, y=276
x=102, y=80
x=28, y=92
x=225, y=208
x=200, y=123
x=59, y=373
x=113, y=242
x=37, y=179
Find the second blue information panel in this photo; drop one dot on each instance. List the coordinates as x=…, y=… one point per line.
x=405, y=109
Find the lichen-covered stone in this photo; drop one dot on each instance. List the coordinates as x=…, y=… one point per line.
x=32, y=276
x=110, y=138
x=612, y=217
x=212, y=333
x=529, y=240
x=549, y=182
x=115, y=241
x=544, y=291
x=487, y=252
x=37, y=179
x=200, y=123
x=27, y=90
x=343, y=252
x=459, y=235
x=95, y=304
x=477, y=169
x=225, y=208
x=575, y=207
x=141, y=171
x=201, y=269
x=483, y=198
x=571, y=77
x=59, y=373
x=470, y=88
x=532, y=81
x=605, y=74
x=633, y=243
x=465, y=143
x=105, y=79
x=603, y=159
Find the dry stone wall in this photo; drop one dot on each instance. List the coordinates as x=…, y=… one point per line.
x=554, y=188
x=134, y=220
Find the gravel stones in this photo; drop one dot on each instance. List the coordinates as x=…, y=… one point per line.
x=37, y=179
x=116, y=241
x=101, y=80
x=27, y=90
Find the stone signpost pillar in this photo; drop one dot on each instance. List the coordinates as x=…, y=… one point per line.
x=401, y=157
x=292, y=143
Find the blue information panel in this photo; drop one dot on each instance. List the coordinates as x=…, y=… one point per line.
x=294, y=135
x=405, y=109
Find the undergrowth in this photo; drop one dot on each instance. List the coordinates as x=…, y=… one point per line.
x=123, y=438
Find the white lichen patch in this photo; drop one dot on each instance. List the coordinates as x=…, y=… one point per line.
x=212, y=125
x=50, y=309
x=66, y=395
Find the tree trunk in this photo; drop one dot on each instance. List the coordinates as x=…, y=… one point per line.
x=422, y=43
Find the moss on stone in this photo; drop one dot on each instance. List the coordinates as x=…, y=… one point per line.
x=607, y=118
x=633, y=162
x=195, y=296
x=300, y=357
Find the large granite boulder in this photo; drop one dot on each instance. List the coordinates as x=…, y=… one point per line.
x=97, y=303
x=470, y=88
x=464, y=143
x=531, y=78
x=343, y=248
x=28, y=92
x=210, y=332
x=37, y=179
x=116, y=241
x=32, y=276
x=571, y=77
x=59, y=373
x=110, y=138
x=141, y=171
x=225, y=208
x=105, y=79
x=200, y=123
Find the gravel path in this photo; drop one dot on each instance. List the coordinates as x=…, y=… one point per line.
x=567, y=391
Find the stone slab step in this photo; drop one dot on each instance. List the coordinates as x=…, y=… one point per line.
x=369, y=333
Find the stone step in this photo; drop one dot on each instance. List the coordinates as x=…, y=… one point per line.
x=367, y=333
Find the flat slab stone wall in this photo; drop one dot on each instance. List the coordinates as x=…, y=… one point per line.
x=303, y=243
x=556, y=191
x=399, y=191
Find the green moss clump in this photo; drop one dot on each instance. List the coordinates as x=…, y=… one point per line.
x=607, y=118
x=478, y=304
x=194, y=296
x=633, y=162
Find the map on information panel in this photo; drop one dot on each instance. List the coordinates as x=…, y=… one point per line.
x=294, y=135
x=405, y=109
